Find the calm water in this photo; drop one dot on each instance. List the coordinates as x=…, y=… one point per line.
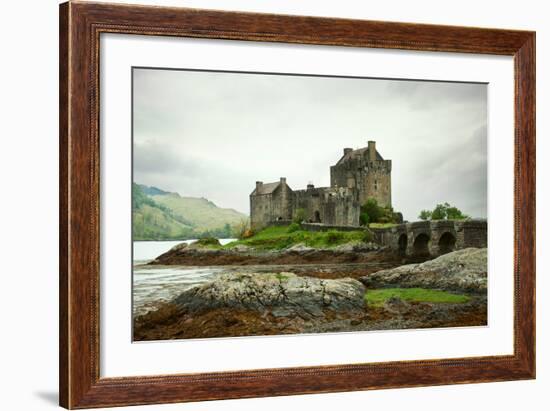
x=152, y=284
x=145, y=251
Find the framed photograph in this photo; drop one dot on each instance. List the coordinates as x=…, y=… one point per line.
x=259, y=205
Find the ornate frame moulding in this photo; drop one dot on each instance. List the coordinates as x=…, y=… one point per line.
x=81, y=24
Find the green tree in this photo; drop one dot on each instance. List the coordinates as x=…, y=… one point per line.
x=443, y=212
x=439, y=212
x=425, y=215
x=372, y=210
x=454, y=213
x=226, y=230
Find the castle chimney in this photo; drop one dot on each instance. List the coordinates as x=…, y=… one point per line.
x=310, y=186
x=372, y=151
x=347, y=150
x=259, y=184
x=283, y=180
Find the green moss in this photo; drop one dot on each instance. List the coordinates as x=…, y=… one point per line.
x=279, y=237
x=382, y=225
x=378, y=297
x=208, y=242
x=281, y=277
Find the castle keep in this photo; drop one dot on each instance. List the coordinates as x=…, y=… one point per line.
x=358, y=175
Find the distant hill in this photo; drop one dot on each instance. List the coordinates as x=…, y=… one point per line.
x=152, y=191
x=161, y=215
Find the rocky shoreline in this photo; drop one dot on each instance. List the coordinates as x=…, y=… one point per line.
x=196, y=255
x=310, y=298
x=170, y=321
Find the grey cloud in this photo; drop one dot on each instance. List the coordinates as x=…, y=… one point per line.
x=428, y=95
x=215, y=134
x=154, y=157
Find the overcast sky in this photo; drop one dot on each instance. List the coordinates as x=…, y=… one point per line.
x=212, y=135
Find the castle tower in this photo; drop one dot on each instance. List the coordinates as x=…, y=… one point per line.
x=270, y=202
x=366, y=171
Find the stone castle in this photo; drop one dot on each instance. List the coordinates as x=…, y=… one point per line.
x=358, y=175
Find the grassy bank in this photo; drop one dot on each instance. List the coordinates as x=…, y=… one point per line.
x=421, y=295
x=279, y=237
x=382, y=225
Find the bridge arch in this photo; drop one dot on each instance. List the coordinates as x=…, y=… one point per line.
x=447, y=242
x=421, y=245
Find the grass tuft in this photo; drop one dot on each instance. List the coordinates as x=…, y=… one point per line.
x=378, y=297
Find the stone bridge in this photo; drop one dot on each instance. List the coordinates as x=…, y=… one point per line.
x=433, y=238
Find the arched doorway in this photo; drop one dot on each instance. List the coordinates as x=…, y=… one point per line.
x=446, y=243
x=402, y=244
x=420, y=245
x=317, y=217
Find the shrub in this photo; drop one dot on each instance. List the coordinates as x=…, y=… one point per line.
x=367, y=236
x=247, y=233
x=293, y=227
x=242, y=228
x=364, y=219
x=371, y=212
x=334, y=236
x=299, y=216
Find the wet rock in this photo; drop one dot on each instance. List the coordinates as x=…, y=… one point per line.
x=357, y=247
x=299, y=248
x=242, y=248
x=179, y=247
x=396, y=305
x=462, y=270
x=280, y=294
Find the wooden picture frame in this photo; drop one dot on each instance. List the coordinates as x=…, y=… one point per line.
x=80, y=27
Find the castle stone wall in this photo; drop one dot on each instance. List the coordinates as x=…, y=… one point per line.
x=327, y=205
x=376, y=183
x=260, y=211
